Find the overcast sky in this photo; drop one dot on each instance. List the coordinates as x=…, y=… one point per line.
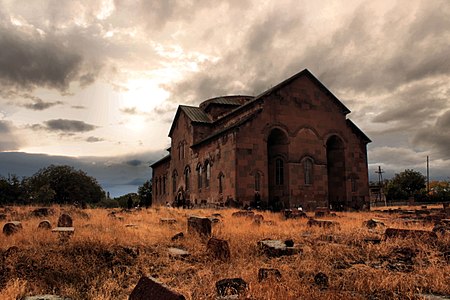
x=95, y=84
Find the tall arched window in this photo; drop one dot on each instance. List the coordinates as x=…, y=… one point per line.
x=208, y=173
x=308, y=171
x=174, y=181
x=221, y=176
x=257, y=182
x=187, y=175
x=279, y=171
x=199, y=176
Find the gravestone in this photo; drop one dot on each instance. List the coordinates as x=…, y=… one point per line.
x=149, y=288
x=178, y=236
x=264, y=273
x=294, y=214
x=45, y=297
x=243, y=213
x=219, y=249
x=321, y=212
x=277, y=248
x=372, y=223
x=231, y=286
x=199, y=225
x=177, y=252
x=43, y=212
x=64, y=233
x=409, y=233
x=322, y=223
x=65, y=221
x=45, y=224
x=12, y=227
x=321, y=279
x=258, y=219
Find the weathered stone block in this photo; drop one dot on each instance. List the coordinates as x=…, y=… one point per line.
x=219, y=249
x=45, y=224
x=294, y=214
x=65, y=221
x=12, y=227
x=200, y=226
x=149, y=288
x=231, y=286
x=277, y=248
x=264, y=273
x=372, y=223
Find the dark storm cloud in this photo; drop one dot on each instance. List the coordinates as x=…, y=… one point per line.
x=41, y=105
x=134, y=162
x=8, y=139
x=436, y=136
x=68, y=125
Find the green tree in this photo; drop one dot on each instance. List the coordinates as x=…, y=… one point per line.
x=405, y=184
x=64, y=185
x=145, y=194
x=11, y=190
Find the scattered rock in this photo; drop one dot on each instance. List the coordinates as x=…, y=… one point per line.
x=45, y=297
x=219, y=249
x=321, y=279
x=321, y=212
x=177, y=252
x=45, y=224
x=264, y=273
x=43, y=212
x=167, y=221
x=65, y=221
x=12, y=227
x=231, y=286
x=243, y=213
x=409, y=233
x=199, y=225
x=322, y=223
x=178, y=236
x=277, y=248
x=373, y=223
x=294, y=214
x=150, y=288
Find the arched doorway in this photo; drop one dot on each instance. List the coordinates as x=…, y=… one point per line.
x=277, y=152
x=337, y=193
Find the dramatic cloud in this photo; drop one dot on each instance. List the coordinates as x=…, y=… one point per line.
x=68, y=125
x=41, y=105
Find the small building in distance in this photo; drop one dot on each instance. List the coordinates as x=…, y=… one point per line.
x=290, y=146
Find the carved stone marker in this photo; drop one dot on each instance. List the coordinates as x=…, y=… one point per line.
x=231, y=286
x=200, y=226
x=277, y=248
x=65, y=221
x=149, y=288
x=264, y=273
x=12, y=227
x=64, y=233
x=45, y=224
x=219, y=249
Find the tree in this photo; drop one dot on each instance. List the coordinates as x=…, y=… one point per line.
x=11, y=190
x=405, y=184
x=145, y=194
x=64, y=185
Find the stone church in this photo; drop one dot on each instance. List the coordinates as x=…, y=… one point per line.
x=288, y=147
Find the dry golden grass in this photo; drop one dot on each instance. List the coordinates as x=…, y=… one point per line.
x=104, y=259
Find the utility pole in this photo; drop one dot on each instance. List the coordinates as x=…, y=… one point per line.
x=428, y=175
x=380, y=186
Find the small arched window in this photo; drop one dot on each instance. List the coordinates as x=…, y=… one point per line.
x=187, y=174
x=199, y=176
x=308, y=171
x=221, y=176
x=174, y=181
x=279, y=171
x=207, y=173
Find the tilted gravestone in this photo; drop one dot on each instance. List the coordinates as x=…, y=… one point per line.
x=218, y=249
x=12, y=227
x=45, y=224
x=150, y=288
x=199, y=225
x=65, y=221
x=265, y=273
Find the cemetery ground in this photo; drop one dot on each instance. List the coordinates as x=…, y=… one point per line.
x=345, y=255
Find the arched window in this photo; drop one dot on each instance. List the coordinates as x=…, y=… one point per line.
x=174, y=181
x=199, y=176
x=279, y=171
x=257, y=182
x=208, y=173
x=221, y=176
x=308, y=171
x=187, y=174
x=164, y=184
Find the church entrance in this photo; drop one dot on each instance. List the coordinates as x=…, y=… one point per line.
x=337, y=193
x=277, y=152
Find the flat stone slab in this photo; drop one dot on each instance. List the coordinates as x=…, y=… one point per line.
x=277, y=248
x=64, y=229
x=177, y=252
x=150, y=288
x=45, y=297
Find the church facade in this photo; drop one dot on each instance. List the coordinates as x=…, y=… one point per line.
x=290, y=146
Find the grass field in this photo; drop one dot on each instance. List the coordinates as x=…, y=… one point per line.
x=104, y=259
